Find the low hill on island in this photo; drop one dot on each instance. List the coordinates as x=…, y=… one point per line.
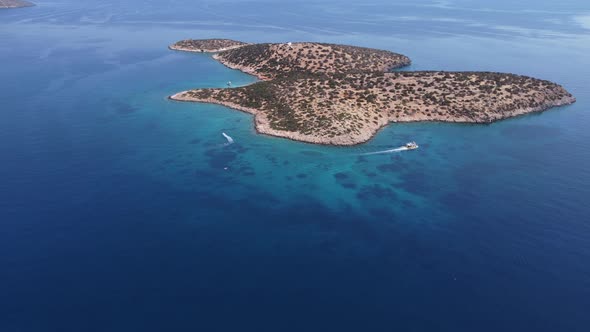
x=278, y=60
x=342, y=95
x=14, y=4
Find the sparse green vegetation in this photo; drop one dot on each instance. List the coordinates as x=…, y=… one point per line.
x=336, y=94
x=206, y=45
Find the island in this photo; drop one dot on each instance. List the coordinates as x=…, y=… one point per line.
x=14, y=4
x=342, y=95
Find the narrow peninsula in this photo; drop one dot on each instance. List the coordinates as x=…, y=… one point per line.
x=206, y=45
x=342, y=95
x=14, y=4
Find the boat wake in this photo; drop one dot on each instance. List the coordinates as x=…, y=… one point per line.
x=401, y=148
x=408, y=146
x=228, y=138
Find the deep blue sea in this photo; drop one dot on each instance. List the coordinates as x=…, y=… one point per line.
x=123, y=211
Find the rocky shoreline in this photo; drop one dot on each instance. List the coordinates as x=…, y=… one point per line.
x=245, y=69
x=342, y=95
x=262, y=124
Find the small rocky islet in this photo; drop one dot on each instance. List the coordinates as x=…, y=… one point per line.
x=342, y=95
x=14, y=4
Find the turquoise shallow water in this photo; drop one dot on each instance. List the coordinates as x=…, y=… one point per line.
x=122, y=210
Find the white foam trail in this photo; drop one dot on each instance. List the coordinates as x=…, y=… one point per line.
x=401, y=148
x=228, y=138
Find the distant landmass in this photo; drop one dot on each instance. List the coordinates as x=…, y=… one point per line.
x=15, y=4
x=342, y=95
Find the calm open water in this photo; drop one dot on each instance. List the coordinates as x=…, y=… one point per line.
x=122, y=211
